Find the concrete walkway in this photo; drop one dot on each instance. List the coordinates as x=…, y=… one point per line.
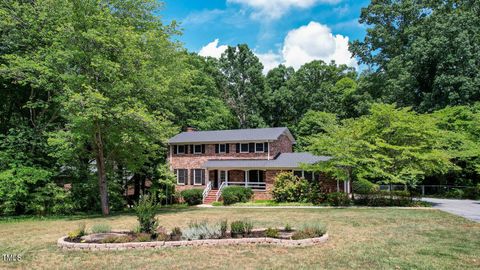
x=469, y=209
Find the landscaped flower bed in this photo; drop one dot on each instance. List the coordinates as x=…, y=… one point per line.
x=197, y=234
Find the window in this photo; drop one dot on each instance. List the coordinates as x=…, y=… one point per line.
x=222, y=148
x=181, y=149
x=259, y=148
x=182, y=176
x=244, y=148
x=197, y=149
x=308, y=175
x=222, y=176
x=198, y=177
x=255, y=176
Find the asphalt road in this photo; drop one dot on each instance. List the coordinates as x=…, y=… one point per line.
x=469, y=209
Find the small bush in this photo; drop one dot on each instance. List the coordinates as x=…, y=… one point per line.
x=146, y=209
x=223, y=227
x=101, y=228
x=248, y=225
x=364, y=187
x=176, y=234
x=77, y=233
x=143, y=237
x=455, y=193
x=192, y=196
x=288, y=228
x=272, y=233
x=237, y=227
x=472, y=193
x=289, y=188
x=235, y=194
x=338, y=199
x=310, y=231
x=201, y=230
x=217, y=203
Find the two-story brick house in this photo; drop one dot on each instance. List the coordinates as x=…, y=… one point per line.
x=246, y=157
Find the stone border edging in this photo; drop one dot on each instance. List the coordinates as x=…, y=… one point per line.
x=194, y=243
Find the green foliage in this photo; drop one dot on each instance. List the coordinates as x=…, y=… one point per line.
x=289, y=188
x=192, y=196
x=176, y=234
x=164, y=185
x=455, y=193
x=385, y=198
x=223, y=227
x=288, y=228
x=77, y=233
x=311, y=124
x=272, y=232
x=101, y=228
x=143, y=237
x=235, y=194
x=310, y=230
x=389, y=146
x=426, y=53
x=364, y=187
x=202, y=230
x=237, y=227
x=146, y=209
x=338, y=199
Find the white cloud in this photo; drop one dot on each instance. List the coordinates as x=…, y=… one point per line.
x=315, y=41
x=212, y=49
x=274, y=9
x=269, y=60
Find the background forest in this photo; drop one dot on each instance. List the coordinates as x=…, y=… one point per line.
x=90, y=91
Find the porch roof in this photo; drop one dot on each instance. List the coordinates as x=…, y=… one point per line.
x=283, y=161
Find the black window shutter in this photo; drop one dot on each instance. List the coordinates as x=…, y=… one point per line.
x=265, y=147
x=238, y=148
x=216, y=148
x=203, y=148
x=191, y=148
x=227, y=148
x=175, y=149
x=251, y=147
x=203, y=177
x=192, y=172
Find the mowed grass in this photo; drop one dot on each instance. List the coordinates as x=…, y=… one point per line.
x=359, y=238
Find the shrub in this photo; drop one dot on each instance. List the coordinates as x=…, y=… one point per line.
x=101, y=228
x=248, y=225
x=310, y=231
x=143, y=237
x=289, y=188
x=472, y=193
x=77, y=233
x=223, y=227
x=455, y=193
x=237, y=227
x=192, y=196
x=235, y=194
x=176, y=234
x=364, y=187
x=163, y=236
x=201, y=230
x=145, y=209
x=272, y=233
x=288, y=228
x=338, y=199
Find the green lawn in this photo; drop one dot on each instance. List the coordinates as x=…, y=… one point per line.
x=359, y=238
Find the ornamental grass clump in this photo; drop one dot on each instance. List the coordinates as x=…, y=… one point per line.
x=202, y=230
x=272, y=233
x=77, y=233
x=310, y=230
x=101, y=228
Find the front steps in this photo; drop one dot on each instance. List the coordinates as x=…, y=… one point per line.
x=211, y=197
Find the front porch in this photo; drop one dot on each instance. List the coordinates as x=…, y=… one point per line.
x=254, y=179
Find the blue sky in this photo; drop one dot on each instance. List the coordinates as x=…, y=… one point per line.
x=291, y=32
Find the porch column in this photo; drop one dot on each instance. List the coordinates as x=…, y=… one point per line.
x=246, y=177
x=226, y=177
x=207, y=176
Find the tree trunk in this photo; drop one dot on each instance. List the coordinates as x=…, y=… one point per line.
x=102, y=177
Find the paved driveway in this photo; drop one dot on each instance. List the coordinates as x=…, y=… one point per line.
x=466, y=208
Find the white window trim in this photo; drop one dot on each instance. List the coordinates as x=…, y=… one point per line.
x=248, y=148
x=263, y=148
x=194, y=150
x=178, y=149
x=195, y=177
x=178, y=177
x=220, y=148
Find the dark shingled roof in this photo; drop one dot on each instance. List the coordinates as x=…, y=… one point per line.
x=233, y=135
x=283, y=161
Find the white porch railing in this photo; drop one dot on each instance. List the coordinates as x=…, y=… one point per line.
x=206, y=191
x=252, y=185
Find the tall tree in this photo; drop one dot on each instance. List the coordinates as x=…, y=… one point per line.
x=243, y=85
x=278, y=110
x=426, y=54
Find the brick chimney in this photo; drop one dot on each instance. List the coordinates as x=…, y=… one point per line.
x=190, y=129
